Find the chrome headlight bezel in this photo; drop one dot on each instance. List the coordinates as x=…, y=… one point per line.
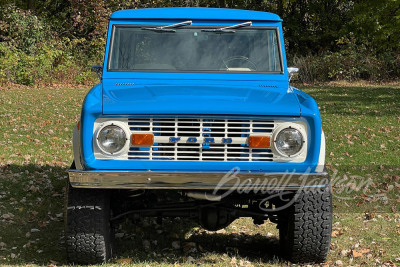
x=300, y=156
x=294, y=134
x=123, y=149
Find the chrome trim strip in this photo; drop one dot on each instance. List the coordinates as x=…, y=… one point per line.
x=197, y=180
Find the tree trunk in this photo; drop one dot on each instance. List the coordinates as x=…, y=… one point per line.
x=31, y=4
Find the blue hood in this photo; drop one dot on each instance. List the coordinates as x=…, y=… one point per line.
x=194, y=98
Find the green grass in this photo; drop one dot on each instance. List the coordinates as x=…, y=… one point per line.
x=362, y=127
x=361, y=124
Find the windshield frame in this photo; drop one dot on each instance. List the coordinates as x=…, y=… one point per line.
x=275, y=28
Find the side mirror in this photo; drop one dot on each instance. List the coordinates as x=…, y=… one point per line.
x=292, y=72
x=98, y=69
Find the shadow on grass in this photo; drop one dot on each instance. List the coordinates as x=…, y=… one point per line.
x=32, y=232
x=179, y=239
x=255, y=248
x=32, y=196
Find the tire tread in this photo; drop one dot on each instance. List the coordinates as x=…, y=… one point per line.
x=87, y=226
x=311, y=222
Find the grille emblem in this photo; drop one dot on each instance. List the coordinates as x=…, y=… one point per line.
x=174, y=139
x=207, y=140
x=227, y=140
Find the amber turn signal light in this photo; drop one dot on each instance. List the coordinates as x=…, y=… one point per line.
x=259, y=141
x=142, y=139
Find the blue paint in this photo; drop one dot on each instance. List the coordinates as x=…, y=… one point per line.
x=227, y=140
x=193, y=14
x=248, y=98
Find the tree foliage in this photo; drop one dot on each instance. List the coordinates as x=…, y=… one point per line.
x=347, y=31
x=376, y=24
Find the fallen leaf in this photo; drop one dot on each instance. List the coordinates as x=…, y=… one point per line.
x=43, y=224
x=124, y=261
x=352, y=186
x=369, y=216
x=233, y=261
x=345, y=252
x=33, y=188
x=336, y=233
x=189, y=260
x=356, y=254
x=54, y=262
x=350, y=142
x=347, y=154
x=365, y=250
x=338, y=263
x=7, y=216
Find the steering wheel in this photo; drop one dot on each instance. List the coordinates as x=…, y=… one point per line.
x=242, y=58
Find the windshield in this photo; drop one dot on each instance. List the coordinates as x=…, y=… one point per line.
x=195, y=50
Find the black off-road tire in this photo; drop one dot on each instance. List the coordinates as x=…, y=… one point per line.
x=88, y=232
x=305, y=227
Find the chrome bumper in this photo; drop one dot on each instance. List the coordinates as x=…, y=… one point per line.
x=197, y=180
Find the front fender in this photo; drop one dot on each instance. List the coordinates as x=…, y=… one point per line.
x=91, y=109
x=309, y=108
x=76, y=146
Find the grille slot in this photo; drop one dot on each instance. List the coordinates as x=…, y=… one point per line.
x=199, y=129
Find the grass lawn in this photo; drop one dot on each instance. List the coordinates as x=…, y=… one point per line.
x=362, y=127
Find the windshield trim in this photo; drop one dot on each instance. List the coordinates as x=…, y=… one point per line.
x=278, y=36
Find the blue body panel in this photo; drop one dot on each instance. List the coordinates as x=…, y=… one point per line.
x=197, y=97
x=229, y=95
x=194, y=13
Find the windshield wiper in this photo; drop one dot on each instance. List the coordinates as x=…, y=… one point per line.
x=229, y=29
x=169, y=28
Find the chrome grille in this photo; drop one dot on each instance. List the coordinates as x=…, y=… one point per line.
x=236, y=130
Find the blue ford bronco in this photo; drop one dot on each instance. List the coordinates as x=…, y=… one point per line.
x=194, y=117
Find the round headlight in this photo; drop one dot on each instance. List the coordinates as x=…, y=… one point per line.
x=111, y=139
x=289, y=141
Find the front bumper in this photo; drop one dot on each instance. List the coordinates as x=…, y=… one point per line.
x=197, y=180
